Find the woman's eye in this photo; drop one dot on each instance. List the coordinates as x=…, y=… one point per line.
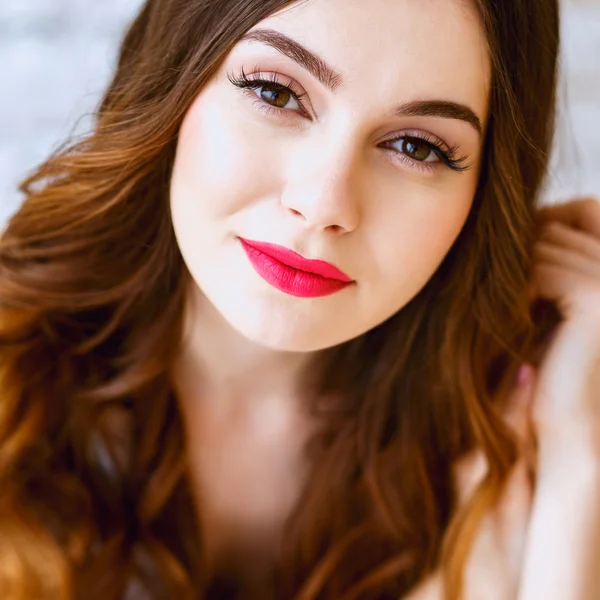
x=427, y=153
x=271, y=94
x=278, y=96
x=417, y=149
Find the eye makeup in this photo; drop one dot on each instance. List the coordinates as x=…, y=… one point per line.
x=417, y=148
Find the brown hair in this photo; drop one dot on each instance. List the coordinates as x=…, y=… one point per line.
x=94, y=500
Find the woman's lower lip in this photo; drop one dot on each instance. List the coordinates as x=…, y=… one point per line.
x=289, y=280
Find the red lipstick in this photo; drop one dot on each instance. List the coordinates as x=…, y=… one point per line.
x=293, y=274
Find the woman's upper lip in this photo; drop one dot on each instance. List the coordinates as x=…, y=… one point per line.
x=293, y=259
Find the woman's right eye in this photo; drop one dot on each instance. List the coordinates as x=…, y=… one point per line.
x=271, y=94
x=277, y=96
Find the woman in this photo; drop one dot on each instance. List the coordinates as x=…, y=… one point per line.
x=260, y=329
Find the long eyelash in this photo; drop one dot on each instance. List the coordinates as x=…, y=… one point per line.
x=270, y=80
x=447, y=155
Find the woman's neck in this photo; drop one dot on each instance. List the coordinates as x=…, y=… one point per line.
x=216, y=361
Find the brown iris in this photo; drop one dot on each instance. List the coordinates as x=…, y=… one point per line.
x=275, y=96
x=415, y=149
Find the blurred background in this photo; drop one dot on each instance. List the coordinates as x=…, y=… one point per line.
x=56, y=57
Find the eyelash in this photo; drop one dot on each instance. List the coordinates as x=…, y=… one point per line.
x=447, y=155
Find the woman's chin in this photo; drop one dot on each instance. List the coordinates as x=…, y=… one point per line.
x=284, y=330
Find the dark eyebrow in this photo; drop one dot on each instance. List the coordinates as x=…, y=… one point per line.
x=330, y=78
x=439, y=108
x=313, y=63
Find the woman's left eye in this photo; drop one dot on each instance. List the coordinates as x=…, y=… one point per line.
x=417, y=149
x=271, y=92
x=424, y=151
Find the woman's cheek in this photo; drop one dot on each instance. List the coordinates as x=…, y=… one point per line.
x=222, y=158
x=419, y=231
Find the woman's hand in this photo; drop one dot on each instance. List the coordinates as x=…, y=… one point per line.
x=567, y=272
x=563, y=547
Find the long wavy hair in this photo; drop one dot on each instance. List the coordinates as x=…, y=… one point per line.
x=95, y=499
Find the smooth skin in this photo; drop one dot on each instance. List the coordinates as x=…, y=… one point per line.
x=333, y=178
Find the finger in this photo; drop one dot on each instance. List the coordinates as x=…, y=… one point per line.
x=511, y=516
x=580, y=213
x=517, y=413
x=469, y=471
x=519, y=416
x=569, y=289
x=562, y=235
x=514, y=507
x=551, y=253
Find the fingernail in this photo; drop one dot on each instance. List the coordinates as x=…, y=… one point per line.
x=524, y=374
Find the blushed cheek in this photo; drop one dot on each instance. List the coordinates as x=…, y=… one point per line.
x=419, y=239
x=222, y=159
x=206, y=158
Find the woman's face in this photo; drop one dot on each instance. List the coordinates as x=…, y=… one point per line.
x=370, y=163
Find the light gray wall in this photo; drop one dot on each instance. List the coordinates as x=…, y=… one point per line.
x=576, y=158
x=56, y=56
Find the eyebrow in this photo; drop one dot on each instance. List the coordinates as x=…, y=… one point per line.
x=440, y=108
x=312, y=62
x=331, y=79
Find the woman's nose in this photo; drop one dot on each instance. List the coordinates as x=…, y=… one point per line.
x=323, y=190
